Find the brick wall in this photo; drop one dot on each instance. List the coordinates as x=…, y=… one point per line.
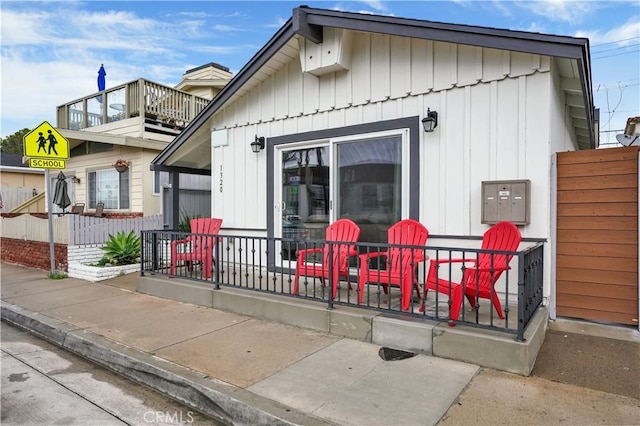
x=33, y=254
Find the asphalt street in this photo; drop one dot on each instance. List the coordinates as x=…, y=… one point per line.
x=45, y=385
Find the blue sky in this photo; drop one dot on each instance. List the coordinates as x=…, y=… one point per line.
x=51, y=51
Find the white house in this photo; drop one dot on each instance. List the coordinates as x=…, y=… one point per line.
x=334, y=105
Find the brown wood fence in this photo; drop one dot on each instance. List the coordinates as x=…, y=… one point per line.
x=597, y=235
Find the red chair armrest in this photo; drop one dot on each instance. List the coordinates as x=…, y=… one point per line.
x=174, y=243
x=495, y=269
x=453, y=260
x=371, y=255
x=304, y=252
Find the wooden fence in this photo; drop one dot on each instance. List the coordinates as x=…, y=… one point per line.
x=12, y=197
x=75, y=229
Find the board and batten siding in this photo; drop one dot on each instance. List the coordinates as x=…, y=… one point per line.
x=493, y=124
x=597, y=235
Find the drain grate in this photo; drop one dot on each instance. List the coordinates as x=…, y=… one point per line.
x=389, y=354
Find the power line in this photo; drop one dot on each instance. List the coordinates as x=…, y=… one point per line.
x=616, y=48
x=617, y=41
x=617, y=54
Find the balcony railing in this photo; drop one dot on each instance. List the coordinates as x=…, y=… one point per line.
x=260, y=264
x=155, y=103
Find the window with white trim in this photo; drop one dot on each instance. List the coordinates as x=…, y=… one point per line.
x=109, y=187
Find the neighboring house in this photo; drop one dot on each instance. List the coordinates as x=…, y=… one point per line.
x=19, y=184
x=132, y=123
x=326, y=121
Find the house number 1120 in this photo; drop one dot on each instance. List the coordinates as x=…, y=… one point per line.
x=220, y=177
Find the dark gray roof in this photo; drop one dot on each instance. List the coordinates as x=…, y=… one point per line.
x=210, y=64
x=13, y=160
x=308, y=22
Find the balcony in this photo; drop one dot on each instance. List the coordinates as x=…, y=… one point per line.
x=140, y=108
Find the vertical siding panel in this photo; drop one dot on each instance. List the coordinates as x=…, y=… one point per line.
x=467, y=65
x=281, y=108
x=353, y=115
x=343, y=91
x=267, y=100
x=521, y=63
x=320, y=120
x=380, y=68
x=242, y=111
x=220, y=206
x=454, y=174
x=479, y=166
x=327, y=89
x=335, y=118
x=467, y=68
x=429, y=172
x=442, y=63
x=361, y=69
x=442, y=170
x=506, y=63
x=295, y=90
x=537, y=153
x=471, y=195
x=400, y=72
x=244, y=177
x=253, y=106
x=522, y=125
x=391, y=109
x=493, y=130
x=370, y=113
x=310, y=93
x=506, y=138
x=421, y=66
x=492, y=67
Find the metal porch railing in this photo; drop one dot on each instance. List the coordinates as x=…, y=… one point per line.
x=268, y=265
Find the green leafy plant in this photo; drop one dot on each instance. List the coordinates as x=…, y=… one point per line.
x=57, y=276
x=104, y=261
x=185, y=221
x=122, y=248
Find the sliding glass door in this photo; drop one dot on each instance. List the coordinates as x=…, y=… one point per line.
x=360, y=177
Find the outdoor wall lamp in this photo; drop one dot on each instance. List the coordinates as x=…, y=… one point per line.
x=75, y=179
x=430, y=122
x=258, y=144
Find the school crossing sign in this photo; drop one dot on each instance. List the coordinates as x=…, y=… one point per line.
x=46, y=147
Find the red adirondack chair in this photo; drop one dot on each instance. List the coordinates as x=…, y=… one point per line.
x=401, y=262
x=479, y=279
x=197, y=247
x=344, y=233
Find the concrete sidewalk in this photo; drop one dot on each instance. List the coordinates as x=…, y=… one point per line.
x=241, y=370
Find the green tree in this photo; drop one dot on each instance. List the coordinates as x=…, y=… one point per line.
x=13, y=143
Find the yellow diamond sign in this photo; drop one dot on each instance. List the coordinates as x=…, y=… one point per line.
x=46, y=142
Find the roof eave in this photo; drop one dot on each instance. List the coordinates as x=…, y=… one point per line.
x=308, y=22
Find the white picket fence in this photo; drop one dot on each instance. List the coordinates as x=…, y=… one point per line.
x=75, y=229
x=96, y=230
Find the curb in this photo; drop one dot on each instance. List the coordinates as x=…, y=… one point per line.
x=217, y=399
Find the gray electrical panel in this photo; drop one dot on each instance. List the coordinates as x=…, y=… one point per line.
x=506, y=200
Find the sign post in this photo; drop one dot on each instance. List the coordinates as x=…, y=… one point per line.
x=49, y=150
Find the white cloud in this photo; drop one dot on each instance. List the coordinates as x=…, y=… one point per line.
x=560, y=10
x=623, y=35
